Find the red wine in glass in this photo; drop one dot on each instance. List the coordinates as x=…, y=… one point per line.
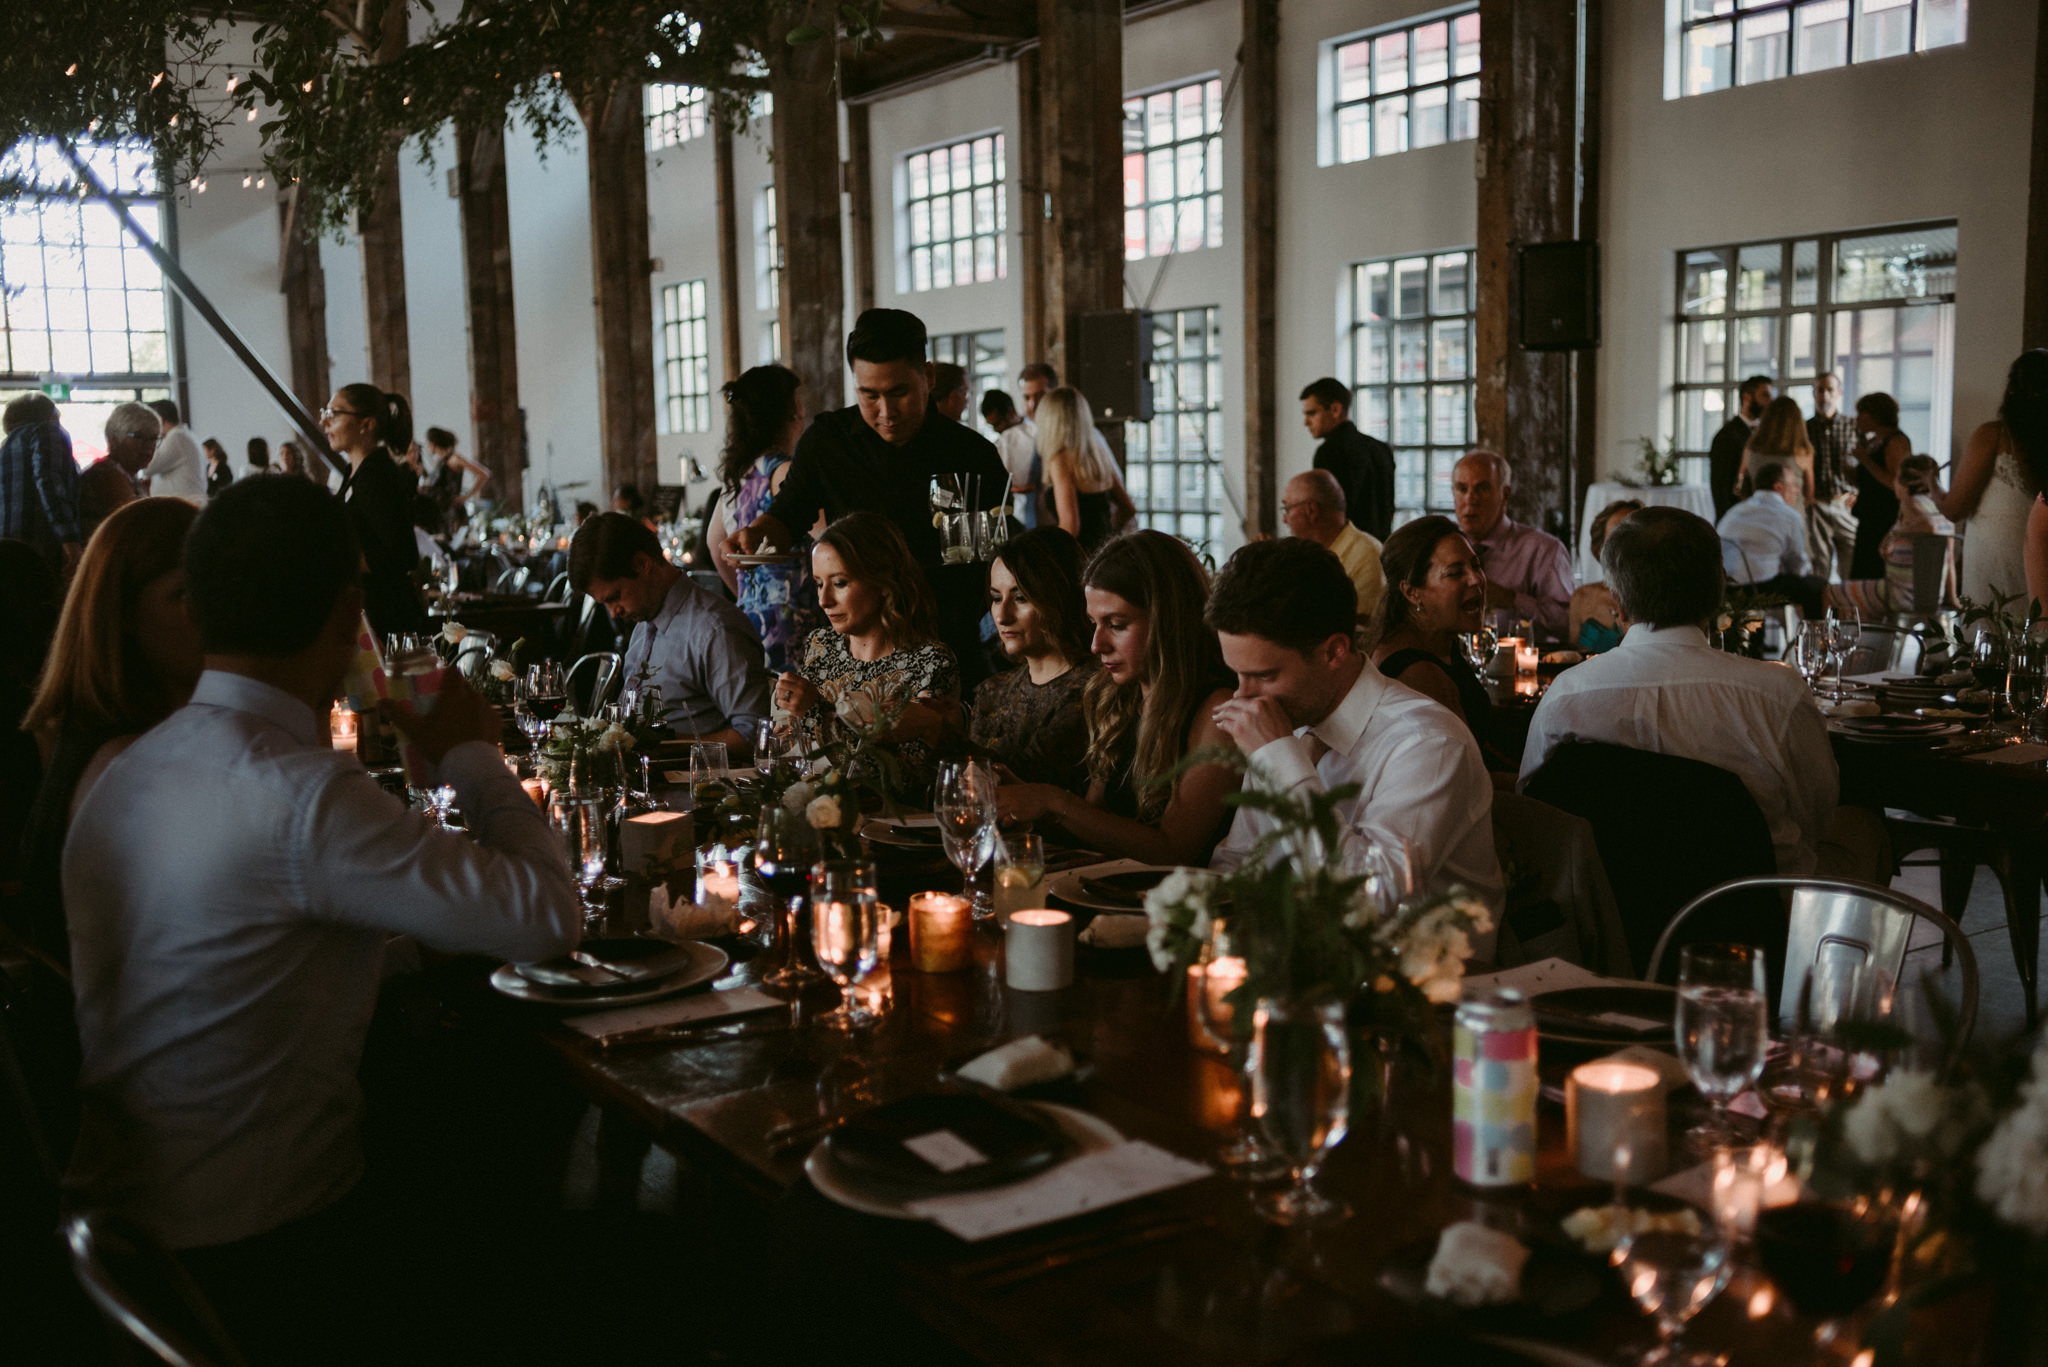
x=546, y=706
x=1827, y=1259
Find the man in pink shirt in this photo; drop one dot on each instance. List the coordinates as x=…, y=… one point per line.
x=1527, y=571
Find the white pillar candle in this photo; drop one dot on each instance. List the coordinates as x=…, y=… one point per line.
x=1526, y=657
x=1038, y=951
x=653, y=838
x=1506, y=654
x=1608, y=1106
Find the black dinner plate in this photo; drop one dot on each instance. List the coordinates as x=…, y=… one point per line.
x=1128, y=888
x=641, y=961
x=1576, y=1010
x=1890, y=723
x=1016, y=1140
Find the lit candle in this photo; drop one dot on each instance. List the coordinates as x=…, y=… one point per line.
x=652, y=838
x=341, y=727
x=1746, y=1180
x=537, y=789
x=1038, y=953
x=1506, y=659
x=941, y=932
x=1525, y=657
x=718, y=884
x=1610, y=1106
x=1210, y=1016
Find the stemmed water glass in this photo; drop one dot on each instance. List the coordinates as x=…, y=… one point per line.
x=1300, y=1067
x=1479, y=647
x=579, y=822
x=1811, y=653
x=964, y=801
x=771, y=746
x=785, y=847
x=1844, y=636
x=1671, y=1274
x=2028, y=662
x=845, y=933
x=1223, y=973
x=1723, y=1029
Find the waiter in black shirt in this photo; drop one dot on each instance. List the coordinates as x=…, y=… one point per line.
x=1363, y=465
x=880, y=456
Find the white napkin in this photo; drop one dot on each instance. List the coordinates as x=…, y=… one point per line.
x=1093, y=1181
x=1545, y=975
x=1475, y=1265
x=1852, y=707
x=703, y=1006
x=685, y=920
x=1112, y=931
x=1019, y=1063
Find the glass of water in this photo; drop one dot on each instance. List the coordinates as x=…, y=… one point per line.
x=1479, y=647
x=844, y=933
x=1673, y=1275
x=1811, y=652
x=1300, y=1068
x=1723, y=1030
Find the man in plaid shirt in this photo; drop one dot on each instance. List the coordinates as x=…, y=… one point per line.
x=39, y=482
x=1833, y=434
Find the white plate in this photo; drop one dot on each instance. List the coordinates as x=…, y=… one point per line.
x=883, y=831
x=1067, y=886
x=1090, y=1133
x=706, y=963
x=1947, y=732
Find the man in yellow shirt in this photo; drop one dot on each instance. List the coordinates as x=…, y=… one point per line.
x=1313, y=509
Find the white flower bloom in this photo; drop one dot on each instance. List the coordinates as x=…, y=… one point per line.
x=2012, y=1165
x=856, y=707
x=823, y=813
x=453, y=633
x=502, y=671
x=1179, y=910
x=1870, y=1134
x=798, y=796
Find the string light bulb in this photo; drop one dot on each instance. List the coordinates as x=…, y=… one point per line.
x=156, y=80
x=252, y=116
x=307, y=87
x=246, y=180
x=232, y=82
x=259, y=182
x=71, y=70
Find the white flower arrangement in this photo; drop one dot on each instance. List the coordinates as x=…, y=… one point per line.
x=454, y=633
x=1180, y=908
x=502, y=671
x=2012, y=1165
x=797, y=796
x=1910, y=1115
x=1434, y=942
x=823, y=813
x=857, y=708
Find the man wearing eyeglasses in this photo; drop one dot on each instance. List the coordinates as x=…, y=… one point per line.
x=109, y=482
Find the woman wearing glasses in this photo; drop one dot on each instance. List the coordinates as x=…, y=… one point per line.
x=365, y=424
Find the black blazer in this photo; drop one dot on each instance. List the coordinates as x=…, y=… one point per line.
x=379, y=494
x=1724, y=462
x=1364, y=466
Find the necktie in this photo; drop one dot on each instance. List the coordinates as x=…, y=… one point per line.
x=1317, y=748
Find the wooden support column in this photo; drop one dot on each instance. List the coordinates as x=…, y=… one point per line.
x=1081, y=108
x=1260, y=162
x=382, y=235
x=1528, y=159
x=860, y=204
x=807, y=218
x=304, y=285
x=625, y=303
x=487, y=288
x=2034, y=317
x=728, y=253
x=1030, y=216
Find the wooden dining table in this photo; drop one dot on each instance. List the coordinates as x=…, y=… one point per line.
x=1189, y=1275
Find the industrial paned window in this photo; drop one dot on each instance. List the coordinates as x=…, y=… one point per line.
x=768, y=274
x=1173, y=465
x=1411, y=370
x=82, y=306
x=1875, y=307
x=956, y=213
x=1173, y=170
x=1396, y=89
x=685, y=358
x=675, y=114
x=980, y=354
x=1723, y=43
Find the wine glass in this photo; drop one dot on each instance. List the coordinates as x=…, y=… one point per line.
x=1223, y=973
x=1479, y=647
x=1673, y=1275
x=1300, y=1067
x=579, y=824
x=546, y=693
x=964, y=800
x=785, y=847
x=2028, y=661
x=1987, y=662
x=1811, y=653
x=771, y=747
x=1722, y=1028
x=844, y=933
x=1831, y=1259
x=1846, y=637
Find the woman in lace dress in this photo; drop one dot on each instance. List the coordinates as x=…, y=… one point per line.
x=1029, y=717
x=1996, y=479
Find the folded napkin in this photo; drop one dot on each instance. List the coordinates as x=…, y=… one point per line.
x=1122, y=1172
x=1475, y=1265
x=681, y=919
x=1110, y=930
x=1019, y=1063
x=1851, y=707
x=703, y=1006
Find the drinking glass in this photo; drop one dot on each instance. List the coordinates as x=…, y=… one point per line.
x=1673, y=1275
x=579, y=824
x=1300, y=1067
x=1811, y=652
x=956, y=536
x=1847, y=635
x=945, y=493
x=1020, y=873
x=2028, y=659
x=964, y=800
x=1987, y=662
x=1722, y=1028
x=771, y=747
x=1830, y=1259
x=1223, y=971
x=844, y=933
x=708, y=777
x=1479, y=647
x=545, y=692
x=785, y=847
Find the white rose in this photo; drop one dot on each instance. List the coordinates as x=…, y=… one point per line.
x=857, y=708
x=502, y=671
x=453, y=633
x=823, y=813
x=798, y=796
x=1915, y=1101
x=1870, y=1135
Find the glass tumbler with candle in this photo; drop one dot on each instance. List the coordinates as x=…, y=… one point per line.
x=1020, y=873
x=1219, y=975
x=844, y=933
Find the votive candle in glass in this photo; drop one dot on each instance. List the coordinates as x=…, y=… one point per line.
x=1526, y=657
x=718, y=883
x=537, y=789
x=1611, y=1106
x=941, y=932
x=1038, y=950
x=341, y=727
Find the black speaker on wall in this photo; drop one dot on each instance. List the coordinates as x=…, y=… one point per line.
x=1560, y=296
x=1112, y=365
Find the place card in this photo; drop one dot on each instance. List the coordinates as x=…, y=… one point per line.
x=1621, y=1020
x=1093, y=1181
x=946, y=1151
x=704, y=1006
x=1545, y=975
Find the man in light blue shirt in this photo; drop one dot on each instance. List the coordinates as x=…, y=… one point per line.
x=699, y=649
x=1763, y=539
x=230, y=882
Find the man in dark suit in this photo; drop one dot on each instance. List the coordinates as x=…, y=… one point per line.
x=1724, y=457
x=1363, y=465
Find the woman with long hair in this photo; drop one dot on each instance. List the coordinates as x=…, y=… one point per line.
x=764, y=416
x=1884, y=448
x=879, y=654
x=1995, y=481
x=125, y=656
x=371, y=427
x=1151, y=705
x=219, y=474
x=450, y=478
x=1029, y=718
x=1781, y=438
x=1086, y=494
x=1435, y=589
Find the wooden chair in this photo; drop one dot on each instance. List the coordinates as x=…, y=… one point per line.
x=149, y=1301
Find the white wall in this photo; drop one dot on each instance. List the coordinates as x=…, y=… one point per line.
x=436, y=313
x=552, y=303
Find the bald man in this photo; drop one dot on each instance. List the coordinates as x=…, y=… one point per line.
x=1527, y=571
x=1313, y=509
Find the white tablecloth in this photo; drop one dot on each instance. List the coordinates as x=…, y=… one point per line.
x=1694, y=498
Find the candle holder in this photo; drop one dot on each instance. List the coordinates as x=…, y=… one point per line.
x=653, y=840
x=941, y=932
x=1038, y=952
x=1611, y=1106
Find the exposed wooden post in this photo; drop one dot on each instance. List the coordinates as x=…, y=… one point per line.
x=304, y=285
x=2034, y=318
x=1260, y=161
x=728, y=252
x=625, y=304
x=1029, y=148
x=1586, y=364
x=807, y=217
x=1528, y=189
x=860, y=204
x=382, y=235
x=487, y=287
x=1081, y=107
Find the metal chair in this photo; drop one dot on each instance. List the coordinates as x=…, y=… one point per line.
x=146, y=1296
x=1844, y=919
x=558, y=589
x=601, y=689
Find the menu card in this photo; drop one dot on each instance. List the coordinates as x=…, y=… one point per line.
x=1107, y=1177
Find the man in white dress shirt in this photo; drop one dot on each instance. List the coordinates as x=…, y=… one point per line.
x=230, y=883
x=1763, y=539
x=1667, y=691
x=1017, y=444
x=179, y=467
x=1311, y=710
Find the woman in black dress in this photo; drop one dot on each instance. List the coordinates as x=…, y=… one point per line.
x=1877, y=466
x=1084, y=494
x=1029, y=718
x=1435, y=589
x=367, y=425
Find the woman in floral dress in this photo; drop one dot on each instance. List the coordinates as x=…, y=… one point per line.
x=764, y=417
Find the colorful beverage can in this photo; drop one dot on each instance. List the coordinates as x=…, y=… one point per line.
x=1493, y=1089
